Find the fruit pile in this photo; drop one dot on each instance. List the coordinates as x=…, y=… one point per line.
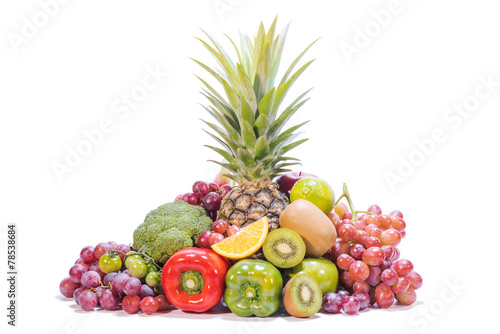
x=273, y=237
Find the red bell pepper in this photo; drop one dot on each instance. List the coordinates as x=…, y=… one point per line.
x=194, y=279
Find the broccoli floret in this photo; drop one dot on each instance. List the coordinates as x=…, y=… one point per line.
x=169, y=228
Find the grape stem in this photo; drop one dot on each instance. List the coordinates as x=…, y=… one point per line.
x=345, y=193
x=147, y=259
x=101, y=286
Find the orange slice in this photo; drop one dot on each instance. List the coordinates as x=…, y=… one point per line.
x=244, y=243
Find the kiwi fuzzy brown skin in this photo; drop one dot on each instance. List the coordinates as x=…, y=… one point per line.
x=288, y=301
x=284, y=237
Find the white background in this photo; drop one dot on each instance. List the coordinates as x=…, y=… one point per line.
x=367, y=113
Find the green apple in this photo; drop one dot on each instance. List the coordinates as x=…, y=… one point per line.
x=322, y=270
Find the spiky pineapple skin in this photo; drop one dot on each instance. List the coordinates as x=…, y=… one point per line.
x=245, y=204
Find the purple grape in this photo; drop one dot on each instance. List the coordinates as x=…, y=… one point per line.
x=77, y=294
x=109, y=300
x=350, y=305
x=91, y=279
x=76, y=272
x=87, y=300
x=190, y=198
x=132, y=286
x=200, y=189
x=332, y=303
x=118, y=282
x=102, y=249
x=122, y=248
x=343, y=294
x=126, y=272
x=67, y=287
x=108, y=279
x=95, y=267
x=363, y=298
x=112, y=243
x=87, y=255
x=211, y=202
x=146, y=291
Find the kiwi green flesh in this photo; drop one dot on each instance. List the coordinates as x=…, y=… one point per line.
x=306, y=294
x=284, y=248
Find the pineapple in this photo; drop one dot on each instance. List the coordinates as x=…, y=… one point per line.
x=251, y=124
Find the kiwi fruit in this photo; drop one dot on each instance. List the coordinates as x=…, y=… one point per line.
x=284, y=248
x=302, y=296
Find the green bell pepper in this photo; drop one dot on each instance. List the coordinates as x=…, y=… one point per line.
x=253, y=287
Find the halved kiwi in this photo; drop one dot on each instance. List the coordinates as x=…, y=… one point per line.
x=284, y=248
x=302, y=296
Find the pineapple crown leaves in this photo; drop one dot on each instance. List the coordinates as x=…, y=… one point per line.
x=249, y=123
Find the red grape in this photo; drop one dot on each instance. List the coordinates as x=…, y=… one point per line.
x=108, y=279
x=91, y=279
x=332, y=303
x=149, y=305
x=357, y=251
x=215, y=238
x=359, y=271
x=373, y=230
x=132, y=286
x=87, y=255
x=385, y=222
x=345, y=221
x=350, y=305
x=343, y=294
x=211, y=202
x=361, y=237
x=109, y=300
x=233, y=229
x=415, y=280
x=384, y=295
x=220, y=226
x=346, y=280
x=212, y=186
x=87, y=300
x=347, y=215
x=178, y=197
x=340, y=247
x=375, y=276
x=224, y=189
x=375, y=209
x=190, y=198
x=359, y=225
x=395, y=254
x=163, y=302
x=67, y=287
x=77, y=294
x=388, y=251
x=344, y=261
x=118, y=282
x=347, y=232
x=373, y=219
x=76, y=272
x=390, y=237
x=398, y=224
x=407, y=298
x=389, y=277
x=203, y=239
x=363, y=298
x=403, y=268
x=396, y=213
x=372, y=242
x=130, y=304
x=400, y=287
x=403, y=234
x=386, y=265
x=374, y=256
x=363, y=217
x=200, y=189
x=79, y=261
x=102, y=249
x=361, y=287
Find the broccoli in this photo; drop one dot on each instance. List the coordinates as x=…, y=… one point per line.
x=169, y=228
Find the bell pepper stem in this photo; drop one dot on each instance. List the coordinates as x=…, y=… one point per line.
x=192, y=282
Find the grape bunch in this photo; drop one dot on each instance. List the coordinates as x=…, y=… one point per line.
x=220, y=230
x=208, y=195
x=113, y=276
x=367, y=255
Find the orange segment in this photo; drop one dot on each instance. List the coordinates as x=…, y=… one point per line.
x=244, y=243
